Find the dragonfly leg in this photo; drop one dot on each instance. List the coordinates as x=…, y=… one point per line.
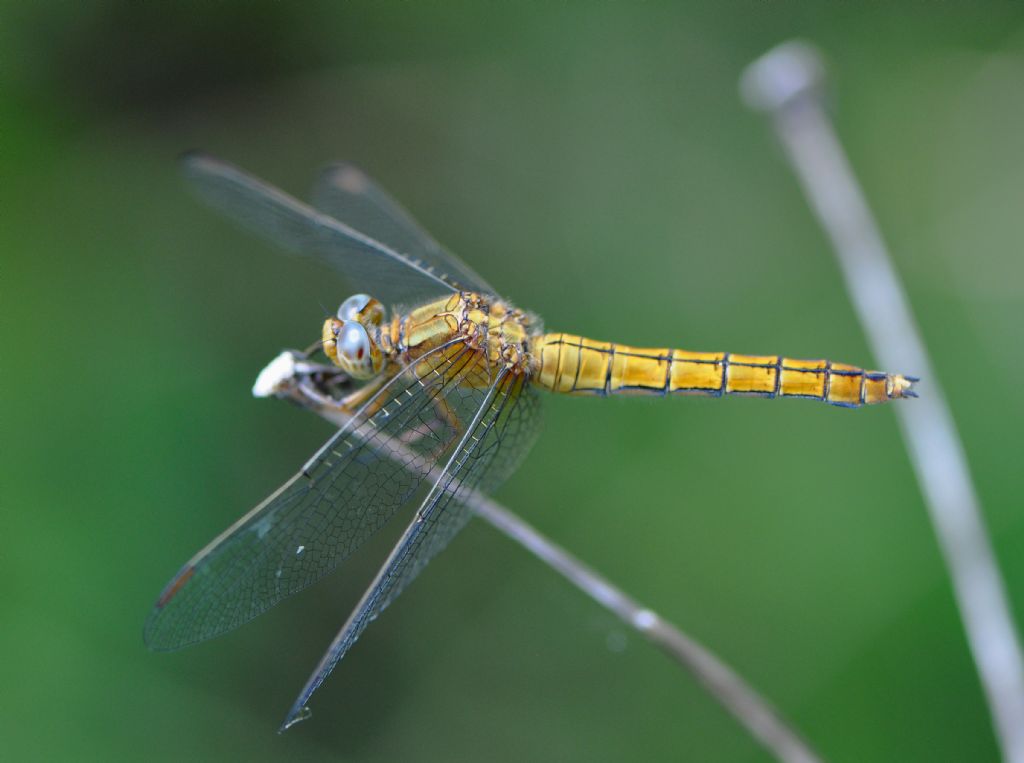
x=317, y=388
x=444, y=428
x=314, y=391
x=355, y=400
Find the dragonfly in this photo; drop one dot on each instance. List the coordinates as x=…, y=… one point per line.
x=437, y=381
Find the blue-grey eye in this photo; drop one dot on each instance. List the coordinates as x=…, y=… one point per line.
x=353, y=344
x=353, y=306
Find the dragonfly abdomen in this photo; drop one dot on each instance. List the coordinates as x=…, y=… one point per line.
x=573, y=364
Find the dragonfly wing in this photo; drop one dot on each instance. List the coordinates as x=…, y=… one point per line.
x=368, y=264
x=345, y=493
x=490, y=450
x=347, y=193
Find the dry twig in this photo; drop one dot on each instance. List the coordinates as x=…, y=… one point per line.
x=788, y=83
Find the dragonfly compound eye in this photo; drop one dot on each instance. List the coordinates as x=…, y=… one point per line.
x=362, y=308
x=357, y=353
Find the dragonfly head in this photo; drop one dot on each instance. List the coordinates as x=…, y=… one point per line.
x=349, y=338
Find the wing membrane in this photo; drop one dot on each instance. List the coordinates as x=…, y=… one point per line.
x=368, y=264
x=488, y=453
x=346, y=193
x=345, y=493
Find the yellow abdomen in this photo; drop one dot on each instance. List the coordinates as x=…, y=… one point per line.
x=575, y=365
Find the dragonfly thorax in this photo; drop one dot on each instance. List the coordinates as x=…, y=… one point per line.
x=497, y=333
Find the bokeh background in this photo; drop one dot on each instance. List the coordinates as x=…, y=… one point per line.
x=594, y=161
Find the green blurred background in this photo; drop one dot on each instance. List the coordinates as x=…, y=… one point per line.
x=593, y=161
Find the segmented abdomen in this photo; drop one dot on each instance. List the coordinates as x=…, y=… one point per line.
x=576, y=365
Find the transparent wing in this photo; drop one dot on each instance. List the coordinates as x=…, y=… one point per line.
x=487, y=454
x=369, y=265
x=348, y=194
x=344, y=494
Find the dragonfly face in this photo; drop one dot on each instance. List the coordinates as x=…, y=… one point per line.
x=352, y=339
x=448, y=403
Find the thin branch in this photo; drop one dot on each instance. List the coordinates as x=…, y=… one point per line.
x=788, y=83
x=750, y=709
